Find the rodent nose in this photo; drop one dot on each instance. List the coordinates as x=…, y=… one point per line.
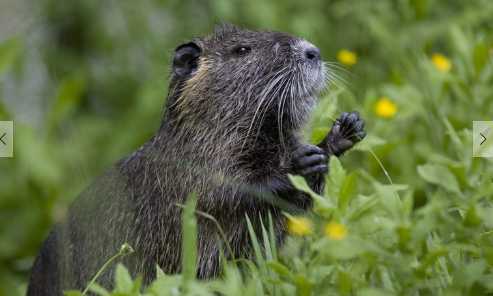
x=309, y=51
x=312, y=53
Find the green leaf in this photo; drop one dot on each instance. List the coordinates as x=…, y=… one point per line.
x=374, y=292
x=256, y=247
x=272, y=237
x=189, y=243
x=334, y=180
x=439, y=175
x=159, y=272
x=404, y=235
x=165, y=286
x=123, y=280
x=472, y=218
x=345, y=249
x=322, y=118
x=369, y=142
x=481, y=56
x=95, y=288
x=470, y=273
x=364, y=207
x=344, y=283
x=432, y=256
x=390, y=200
x=279, y=268
x=266, y=241
x=347, y=191
x=452, y=133
x=336, y=171
x=319, y=133
x=303, y=285
x=320, y=203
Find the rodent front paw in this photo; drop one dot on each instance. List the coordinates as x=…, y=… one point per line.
x=347, y=130
x=309, y=160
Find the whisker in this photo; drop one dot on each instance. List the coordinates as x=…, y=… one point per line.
x=263, y=96
x=280, y=115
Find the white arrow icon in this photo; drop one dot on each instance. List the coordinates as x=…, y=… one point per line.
x=2, y=138
x=483, y=137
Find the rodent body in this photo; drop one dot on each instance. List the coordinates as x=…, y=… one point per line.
x=237, y=100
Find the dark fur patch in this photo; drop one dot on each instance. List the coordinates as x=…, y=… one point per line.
x=227, y=135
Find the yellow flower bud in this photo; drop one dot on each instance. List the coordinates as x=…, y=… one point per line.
x=385, y=108
x=347, y=57
x=441, y=62
x=299, y=226
x=335, y=231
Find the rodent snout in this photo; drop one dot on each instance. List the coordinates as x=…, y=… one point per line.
x=312, y=54
x=309, y=51
x=310, y=65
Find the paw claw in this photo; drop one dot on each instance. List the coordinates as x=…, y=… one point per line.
x=318, y=169
x=359, y=125
x=306, y=150
x=353, y=116
x=309, y=159
x=347, y=130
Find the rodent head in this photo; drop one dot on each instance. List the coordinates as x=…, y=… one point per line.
x=255, y=77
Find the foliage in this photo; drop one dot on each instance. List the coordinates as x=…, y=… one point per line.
x=84, y=88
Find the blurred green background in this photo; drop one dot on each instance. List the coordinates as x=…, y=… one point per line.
x=85, y=82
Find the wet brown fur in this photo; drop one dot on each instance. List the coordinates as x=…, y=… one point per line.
x=229, y=129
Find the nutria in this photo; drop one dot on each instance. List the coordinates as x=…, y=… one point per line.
x=230, y=134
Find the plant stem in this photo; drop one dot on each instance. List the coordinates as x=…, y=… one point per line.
x=125, y=250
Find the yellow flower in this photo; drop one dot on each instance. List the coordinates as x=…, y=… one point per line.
x=335, y=231
x=347, y=57
x=385, y=108
x=299, y=226
x=441, y=62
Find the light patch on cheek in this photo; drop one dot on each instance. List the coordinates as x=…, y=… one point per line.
x=203, y=69
x=194, y=82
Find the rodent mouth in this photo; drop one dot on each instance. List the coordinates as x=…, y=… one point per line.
x=303, y=94
x=315, y=82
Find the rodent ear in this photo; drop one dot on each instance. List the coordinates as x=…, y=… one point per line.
x=186, y=58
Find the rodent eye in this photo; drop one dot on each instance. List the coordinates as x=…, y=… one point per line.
x=241, y=50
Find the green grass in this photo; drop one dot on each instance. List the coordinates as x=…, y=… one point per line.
x=417, y=207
